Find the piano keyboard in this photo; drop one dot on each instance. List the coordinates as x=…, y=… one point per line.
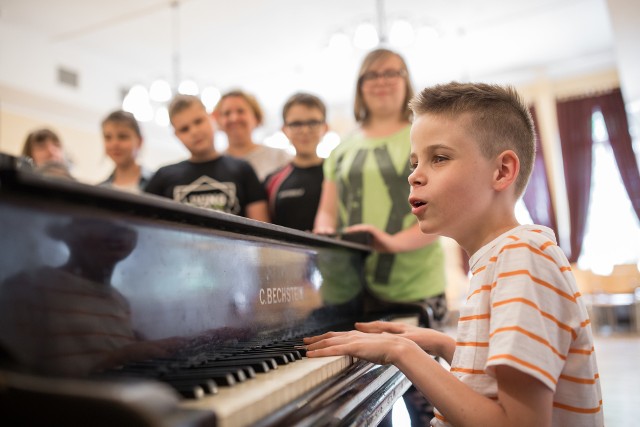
x=243, y=384
x=248, y=402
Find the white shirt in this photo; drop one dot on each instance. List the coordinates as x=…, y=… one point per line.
x=524, y=310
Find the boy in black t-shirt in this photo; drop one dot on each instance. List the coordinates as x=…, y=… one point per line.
x=293, y=191
x=208, y=179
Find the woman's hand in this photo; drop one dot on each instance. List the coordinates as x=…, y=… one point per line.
x=382, y=242
x=406, y=240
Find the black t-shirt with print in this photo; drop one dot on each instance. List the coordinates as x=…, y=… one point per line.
x=224, y=184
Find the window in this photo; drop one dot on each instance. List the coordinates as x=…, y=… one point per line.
x=612, y=234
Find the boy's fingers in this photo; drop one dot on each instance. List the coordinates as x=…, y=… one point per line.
x=314, y=339
x=380, y=326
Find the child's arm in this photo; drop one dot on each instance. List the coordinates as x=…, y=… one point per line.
x=406, y=240
x=433, y=342
x=327, y=215
x=522, y=400
x=258, y=210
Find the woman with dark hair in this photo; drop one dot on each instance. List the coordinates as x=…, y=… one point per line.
x=365, y=188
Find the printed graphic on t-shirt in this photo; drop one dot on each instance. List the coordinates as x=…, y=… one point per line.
x=352, y=199
x=206, y=192
x=293, y=192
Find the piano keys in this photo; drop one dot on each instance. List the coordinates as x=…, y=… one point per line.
x=101, y=290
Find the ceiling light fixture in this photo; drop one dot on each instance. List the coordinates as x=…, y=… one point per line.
x=148, y=104
x=372, y=32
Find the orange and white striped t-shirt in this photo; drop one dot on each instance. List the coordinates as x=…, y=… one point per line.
x=524, y=310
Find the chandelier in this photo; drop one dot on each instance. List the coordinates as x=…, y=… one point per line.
x=150, y=103
x=400, y=32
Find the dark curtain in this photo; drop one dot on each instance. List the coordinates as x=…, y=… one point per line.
x=615, y=118
x=537, y=197
x=574, y=125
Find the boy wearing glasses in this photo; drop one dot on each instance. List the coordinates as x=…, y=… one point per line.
x=293, y=191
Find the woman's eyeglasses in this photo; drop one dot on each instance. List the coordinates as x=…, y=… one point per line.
x=386, y=75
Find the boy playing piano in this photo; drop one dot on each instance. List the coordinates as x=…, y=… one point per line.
x=524, y=352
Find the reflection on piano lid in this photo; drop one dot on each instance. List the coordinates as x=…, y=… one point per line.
x=99, y=286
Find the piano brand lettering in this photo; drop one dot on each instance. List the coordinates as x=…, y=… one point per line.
x=281, y=295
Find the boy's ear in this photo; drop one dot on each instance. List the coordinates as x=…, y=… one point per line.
x=507, y=170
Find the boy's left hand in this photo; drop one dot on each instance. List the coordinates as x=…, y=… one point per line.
x=377, y=348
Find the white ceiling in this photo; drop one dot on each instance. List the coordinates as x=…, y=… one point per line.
x=275, y=47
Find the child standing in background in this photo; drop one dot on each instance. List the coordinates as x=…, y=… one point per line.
x=524, y=354
x=208, y=179
x=44, y=148
x=293, y=191
x=122, y=142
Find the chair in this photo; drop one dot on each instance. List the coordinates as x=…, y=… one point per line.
x=615, y=300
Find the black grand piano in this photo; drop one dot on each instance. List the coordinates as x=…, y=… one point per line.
x=121, y=309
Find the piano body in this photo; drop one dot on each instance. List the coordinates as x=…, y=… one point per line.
x=121, y=309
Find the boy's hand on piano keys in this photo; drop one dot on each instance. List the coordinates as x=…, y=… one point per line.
x=382, y=349
x=433, y=342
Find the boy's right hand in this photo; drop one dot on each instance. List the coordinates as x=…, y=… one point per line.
x=430, y=340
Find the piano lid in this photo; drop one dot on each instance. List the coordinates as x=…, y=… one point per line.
x=92, y=277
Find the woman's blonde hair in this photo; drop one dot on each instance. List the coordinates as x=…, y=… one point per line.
x=251, y=100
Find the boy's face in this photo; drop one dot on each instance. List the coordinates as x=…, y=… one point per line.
x=305, y=127
x=194, y=128
x=451, y=184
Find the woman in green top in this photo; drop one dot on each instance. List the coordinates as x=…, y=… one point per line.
x=365, y=188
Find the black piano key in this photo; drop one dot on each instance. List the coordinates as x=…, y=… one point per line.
x=248, y=371
x=208, y=386
x=258, y=365
x=190, y=391
x=288, y=350
x=248, y=359
x=239, y=374
x=222, y=378
x=281, y=357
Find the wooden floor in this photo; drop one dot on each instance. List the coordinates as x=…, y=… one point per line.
x=619, y=365
x=618, y=356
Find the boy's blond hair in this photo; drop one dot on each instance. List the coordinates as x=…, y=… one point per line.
x=498, y=119
x=181, y=102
